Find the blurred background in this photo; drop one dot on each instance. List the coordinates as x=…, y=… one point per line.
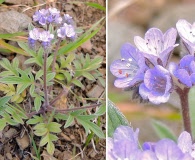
x=126, y=19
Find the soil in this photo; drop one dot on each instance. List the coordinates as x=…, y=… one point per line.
x=15, y=143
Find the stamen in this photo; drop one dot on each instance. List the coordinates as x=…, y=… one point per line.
x=120, y=71
x=126, y=74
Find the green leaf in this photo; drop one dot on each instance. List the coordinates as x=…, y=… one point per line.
x=50, y=148
x=115, y=118
x=44, y=140
x=39, y=74
x=86, y=117
x=77, y=64
x=53, y=137
x=68, y=76
x=4, y=100
x=60, y=77
x=88, y=76
x=69, y=121
x=49, y=61
x=25, y=47
x=2, y=124
x=101, y=110
x=12, y=48
x=32, y=90
x=40, y=129
x=191, y=100
x=30, y=61
x=37, y=103
x=60, y=116
x=92, y=126
x=54, y=127
x=96, y=5
x=50, y=76
x=78, y=83
x=35, y=120
x=162, y=130
x=11, y=35
x=17, y=118
x=11, y=80
x=8, y=66
x=15, y=63
x=22, y=87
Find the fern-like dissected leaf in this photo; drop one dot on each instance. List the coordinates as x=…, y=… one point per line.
x=85, y=121
x=11, y=69
x=45, y=131
x=10, y=90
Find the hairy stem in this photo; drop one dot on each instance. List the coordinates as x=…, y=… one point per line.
x=183, y=95
x=72, y=109
x=45, y=80
x=50, y=108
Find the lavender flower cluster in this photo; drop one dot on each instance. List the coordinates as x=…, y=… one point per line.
x=148, y=67
x=47, y=18
x=125, y=146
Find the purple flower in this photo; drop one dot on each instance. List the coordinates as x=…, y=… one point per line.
x=41, y=16
x=53, y=11
x=46, y=16
x=66, y=31
x=156, y=46
x=185, y=144
x=185, y=71
x=167, y=149
x=68, y=19
x=45, y=36
x=124, y=146
x=129, y=70
x=157, y=85
x=34, y=34
x=187, y=33
x=33, y=37
x=124, y=143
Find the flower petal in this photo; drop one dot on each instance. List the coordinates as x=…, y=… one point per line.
x=166, y=149
x=141, y=44
x=155, y=99
x=148, y=155
x=123, y=68
x=166, y=55
x=192, y=78
x=170, y=38
x=186, y=60
x=110, y=145
x=185, y=142
x=172, y=67
x=127, y=82
x=144, y=91
x=184, y=77
x=129, y=51
x=154, y=38
x=184, y=28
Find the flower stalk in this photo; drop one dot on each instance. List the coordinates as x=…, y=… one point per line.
x=45, y=81
x=183, y=95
